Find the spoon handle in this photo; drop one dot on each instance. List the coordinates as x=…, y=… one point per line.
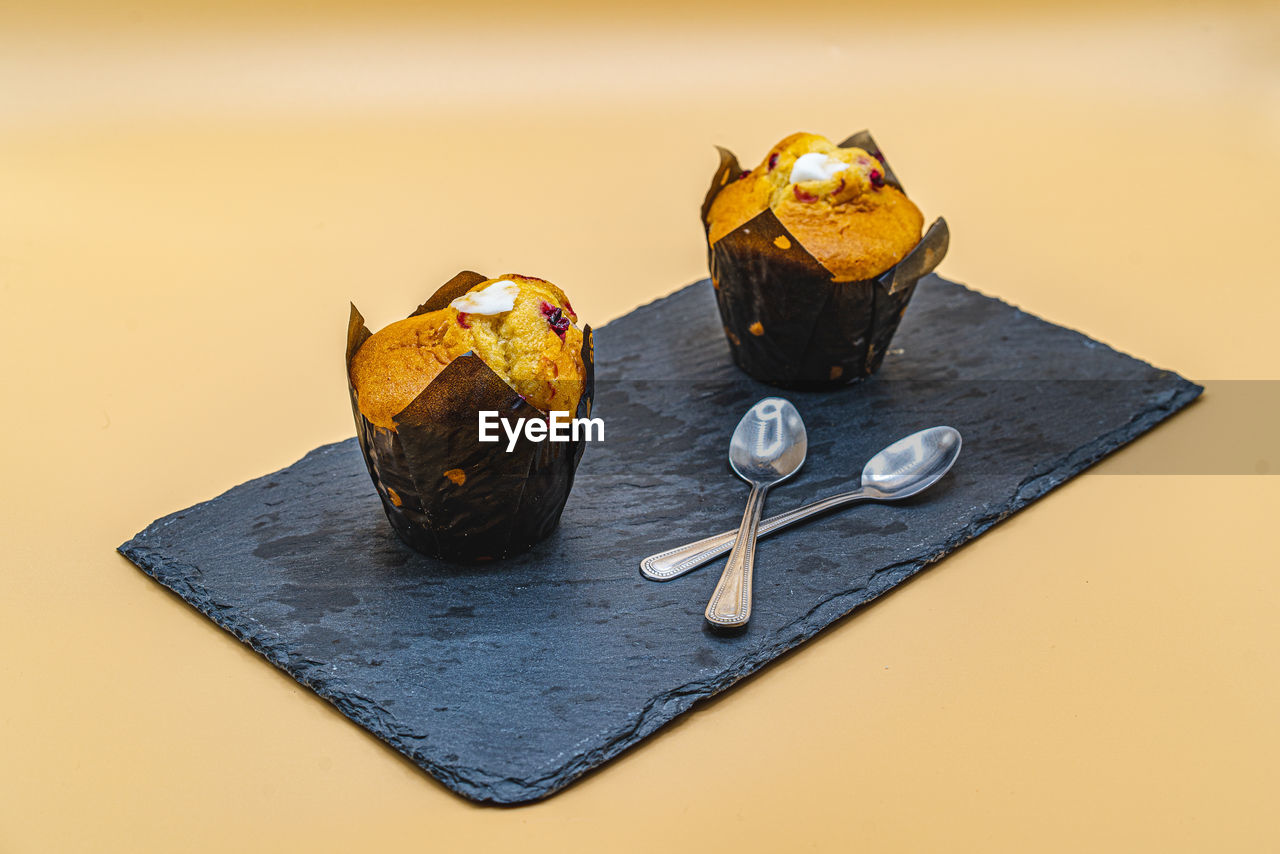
x=730, y=605
x=674, y=563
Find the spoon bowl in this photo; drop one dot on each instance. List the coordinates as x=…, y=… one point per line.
x=769, y=444
x=912, y=464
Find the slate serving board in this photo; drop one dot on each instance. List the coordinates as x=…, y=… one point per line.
x=507, y=682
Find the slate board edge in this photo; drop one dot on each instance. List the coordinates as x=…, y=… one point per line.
x=662, y=709
x=1078, y=333
x=179, y=577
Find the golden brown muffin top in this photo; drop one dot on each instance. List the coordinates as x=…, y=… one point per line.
x=833, y=200
x=522, y=327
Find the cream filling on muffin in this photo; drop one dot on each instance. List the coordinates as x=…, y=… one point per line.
x=816, y=166
x=496, y=298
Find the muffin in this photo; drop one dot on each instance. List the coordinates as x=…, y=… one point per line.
x=522, y=327
x=509, y=345
x=814, y=255
x=834, y=200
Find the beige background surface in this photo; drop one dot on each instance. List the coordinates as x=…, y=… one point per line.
x=190, y=196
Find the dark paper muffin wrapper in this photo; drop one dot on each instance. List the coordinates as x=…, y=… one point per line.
x=445, y=493
x=788, y=323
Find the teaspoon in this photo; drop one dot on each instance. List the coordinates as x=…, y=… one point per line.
x=768, y=446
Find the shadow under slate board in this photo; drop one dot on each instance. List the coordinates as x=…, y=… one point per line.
x=509, y=681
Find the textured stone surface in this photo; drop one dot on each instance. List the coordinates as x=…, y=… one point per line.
x=509, y=681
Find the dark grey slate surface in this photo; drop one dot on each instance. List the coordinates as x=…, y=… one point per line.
x=509, y=681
